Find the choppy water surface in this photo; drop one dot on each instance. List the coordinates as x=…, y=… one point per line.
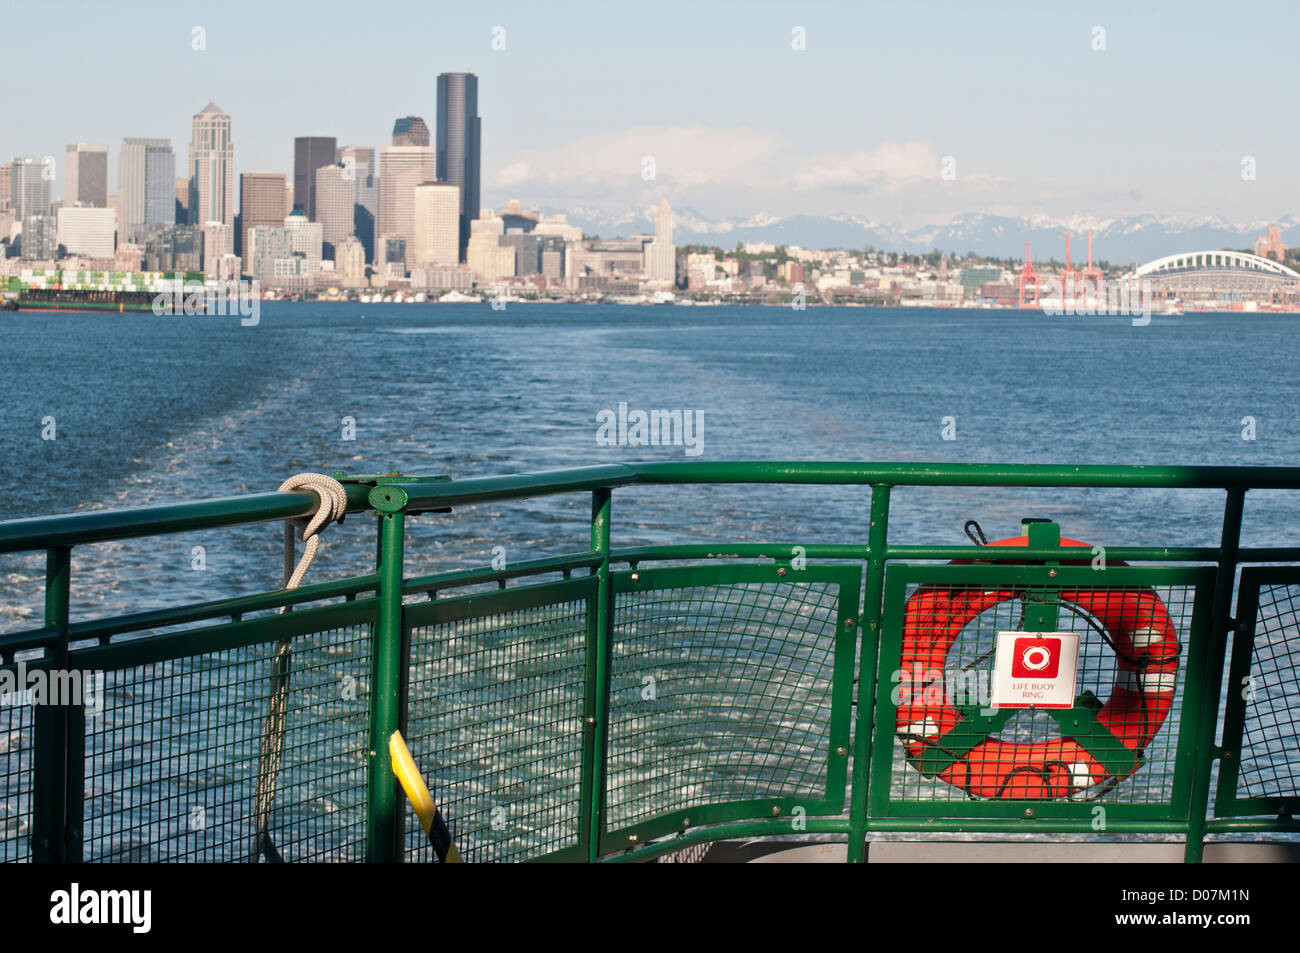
x=151, y=409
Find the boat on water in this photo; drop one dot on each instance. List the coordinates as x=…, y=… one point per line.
x=827, y=698
x=73, y=300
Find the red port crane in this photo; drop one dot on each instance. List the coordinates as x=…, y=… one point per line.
x=1028, y=283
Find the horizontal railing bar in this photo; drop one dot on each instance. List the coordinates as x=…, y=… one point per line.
x=552, y=482
x=227, y=635
x=991, y=553
x=1226, y=825
x=638, y=554
x=1268, y=554
x=997, y=825
x=29, y=639
x=235, y=605
x=968, y=474
x=80, y=528
x=530, y=567
x=518, y=486
x=1072, y=553
x=76, y=529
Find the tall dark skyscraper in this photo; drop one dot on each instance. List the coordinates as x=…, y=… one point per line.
x=309, y=154
x=459, y=143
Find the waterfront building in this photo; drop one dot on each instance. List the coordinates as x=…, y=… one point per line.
x=516, y=217
x=39, y=237
x=661, y=254
x=334, y=203
x=265, y=245
x=437, y=224
x=1270, y=244
x=614, y=259
x=392, y=256
x=261, y=202
x=174, y=248
x=29, y=186
x=558, y=225
x=350, y=262
x=365, y=193
x=146, y=179
x=487, y=259
x=309, y=154
x=410, y=131
x=211, y=168
x=88, y=231
x=459, y=143
x=218, y=243
x=404, y=168
x=442, y=278
x=86, y=176
x=527, y=248
x=305, y=239
x=128, y=257
x=701, y=268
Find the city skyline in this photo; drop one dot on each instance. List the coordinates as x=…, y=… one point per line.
x=1035, y=120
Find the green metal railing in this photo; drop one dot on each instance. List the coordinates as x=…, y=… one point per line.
x=585, y=711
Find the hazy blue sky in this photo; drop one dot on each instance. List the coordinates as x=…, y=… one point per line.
x=1036, y=120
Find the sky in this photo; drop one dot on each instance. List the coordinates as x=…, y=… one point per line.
x=901, y=113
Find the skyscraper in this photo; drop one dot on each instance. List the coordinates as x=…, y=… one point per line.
x=437, y=224
x=146, y=185
x=261, y=203
x=309, y=154
x=661, y=254
x=86, y=176
x=334, y=203
x=404, y=167
x=212, y=168
x=365, y=194
x=410, y=131
x=459, y=142
x=29, y=186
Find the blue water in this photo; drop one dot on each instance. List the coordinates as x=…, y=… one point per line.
x=151, y=409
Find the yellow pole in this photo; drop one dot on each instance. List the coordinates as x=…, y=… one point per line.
x=418, y=794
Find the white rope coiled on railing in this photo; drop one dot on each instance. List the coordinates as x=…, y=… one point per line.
x=333, y=507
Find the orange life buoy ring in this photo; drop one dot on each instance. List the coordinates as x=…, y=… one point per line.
x=1146, y=643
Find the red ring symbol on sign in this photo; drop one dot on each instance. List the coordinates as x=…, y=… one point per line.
x=1040, y=658
x=1146, y=644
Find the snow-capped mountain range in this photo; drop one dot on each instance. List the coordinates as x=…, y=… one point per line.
x=1115, y=240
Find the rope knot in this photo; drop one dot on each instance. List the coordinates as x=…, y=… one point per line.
x=333, y=508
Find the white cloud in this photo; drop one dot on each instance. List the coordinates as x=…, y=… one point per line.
x=733, y=171
x=684, y=157
x=891, y=165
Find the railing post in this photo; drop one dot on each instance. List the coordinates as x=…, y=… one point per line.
x=1207, y=705
x=869, y=633
x=50, y=781
x=383, y=814
x=596, y=701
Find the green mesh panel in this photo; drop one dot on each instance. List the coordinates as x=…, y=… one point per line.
x=1270, y=745
x=495, y=726
x=172, y=759
x=17, y=756
x=719, y=693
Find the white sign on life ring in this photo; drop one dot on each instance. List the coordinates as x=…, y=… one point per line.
x=1035, y=669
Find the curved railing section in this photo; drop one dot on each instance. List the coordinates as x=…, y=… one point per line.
x=618, y=703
